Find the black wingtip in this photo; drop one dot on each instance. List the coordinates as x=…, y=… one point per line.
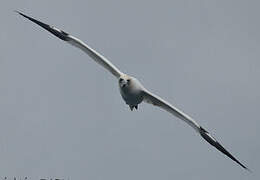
x=59, y=33
x=217, y=145
x=17, y=11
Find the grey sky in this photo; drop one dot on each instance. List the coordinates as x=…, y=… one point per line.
x=62, y=115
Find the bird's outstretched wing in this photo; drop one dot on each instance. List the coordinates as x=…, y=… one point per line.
x=157, y=101
x=78, y=43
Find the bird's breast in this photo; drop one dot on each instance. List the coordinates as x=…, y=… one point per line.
x=131, y=96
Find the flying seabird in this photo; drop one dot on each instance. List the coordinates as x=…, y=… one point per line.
x=131, y=90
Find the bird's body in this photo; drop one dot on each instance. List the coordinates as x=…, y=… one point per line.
x=131, y=90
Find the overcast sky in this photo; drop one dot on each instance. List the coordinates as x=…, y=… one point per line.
x=61, y=114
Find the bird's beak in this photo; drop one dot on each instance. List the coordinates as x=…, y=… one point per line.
x=123, y=84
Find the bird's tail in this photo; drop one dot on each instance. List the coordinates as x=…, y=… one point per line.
x=217, y=145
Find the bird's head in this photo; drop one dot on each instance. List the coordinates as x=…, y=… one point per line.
x=124, y=81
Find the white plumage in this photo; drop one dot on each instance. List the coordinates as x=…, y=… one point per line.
x=131, y=90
